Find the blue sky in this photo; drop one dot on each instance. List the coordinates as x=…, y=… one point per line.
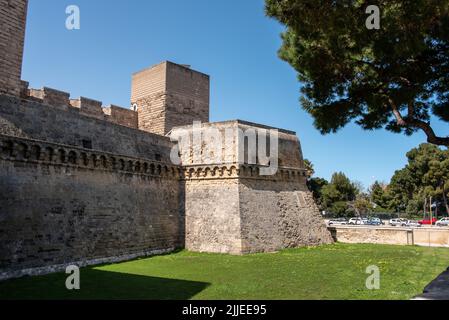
x=230, y=40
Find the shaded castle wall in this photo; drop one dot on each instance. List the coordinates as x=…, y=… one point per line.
x=60, y=205
x=61, y=202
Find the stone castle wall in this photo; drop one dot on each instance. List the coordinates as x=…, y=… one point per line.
x=230, y=207
x=61, y=204
x=212, y=216
x=35, y=120
x=278, y=214
x=75, y=188
x=12, y=34
x=83, y=106
x=169, y=95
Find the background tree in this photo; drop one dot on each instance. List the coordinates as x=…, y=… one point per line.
x=316, y=186
x=438, y=177
x=393, y=78
x=309, y=168
x=338, y=193
x=362, y=205
x=426, y=174
x=380, y=196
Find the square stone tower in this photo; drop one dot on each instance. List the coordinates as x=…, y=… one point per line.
x=12, y=37
x=168, y=95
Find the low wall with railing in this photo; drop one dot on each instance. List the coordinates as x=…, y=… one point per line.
x=421, y=236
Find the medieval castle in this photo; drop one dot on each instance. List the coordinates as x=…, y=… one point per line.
x=86, y=184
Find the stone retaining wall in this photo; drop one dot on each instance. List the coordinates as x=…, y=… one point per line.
x=434, y=237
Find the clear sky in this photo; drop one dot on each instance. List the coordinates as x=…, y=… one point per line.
x=231, y=40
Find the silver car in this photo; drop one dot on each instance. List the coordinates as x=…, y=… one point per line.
x=398, y=222
x=338, y=222
x=357, y=221
x=443, y=222
x=413, y=224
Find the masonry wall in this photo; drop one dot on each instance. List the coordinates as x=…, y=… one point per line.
x=230, y=206
x=122, y=116
x=233, y=137
x=12, y=34
x=169, y=95
x=30, y=119
x=232, y=209
x=212, y=216
x=277, y=215
x=188, y=96
x=60, y=205
x=432, y=237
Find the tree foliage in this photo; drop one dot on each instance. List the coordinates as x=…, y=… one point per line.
x=379, y=195
x=393, y=78
x=309, y=168
x=336, y=195
x=316, y=186
x=426, y=174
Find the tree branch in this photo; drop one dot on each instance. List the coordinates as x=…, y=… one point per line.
x=419, y=124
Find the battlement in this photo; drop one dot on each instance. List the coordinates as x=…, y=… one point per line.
x=228, y=142
x=164, y=96
x=238, y=171
x=86, y=106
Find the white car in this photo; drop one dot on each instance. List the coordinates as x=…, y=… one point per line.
x=338, y=221
x=413, y=224
x=398, y=222
x=357, y=221
x=443, y=222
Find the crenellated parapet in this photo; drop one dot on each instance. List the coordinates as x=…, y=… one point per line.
x=241, y=171
x=85, y=106
x=45, y=153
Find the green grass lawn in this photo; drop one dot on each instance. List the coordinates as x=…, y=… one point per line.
x=328, y=272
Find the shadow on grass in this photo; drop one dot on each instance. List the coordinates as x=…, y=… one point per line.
x=98, y=284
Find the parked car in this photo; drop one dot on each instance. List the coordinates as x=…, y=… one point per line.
x=413, y=224
x=357, y=221
x=338, y=221
x=375, y=222
x=443, y=222
x=398, y=222
x=428, y=222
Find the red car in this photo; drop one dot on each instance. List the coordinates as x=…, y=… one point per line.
x=427, y=221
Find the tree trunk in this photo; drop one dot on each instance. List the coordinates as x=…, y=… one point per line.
x=445, y=199
x=425, y=208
